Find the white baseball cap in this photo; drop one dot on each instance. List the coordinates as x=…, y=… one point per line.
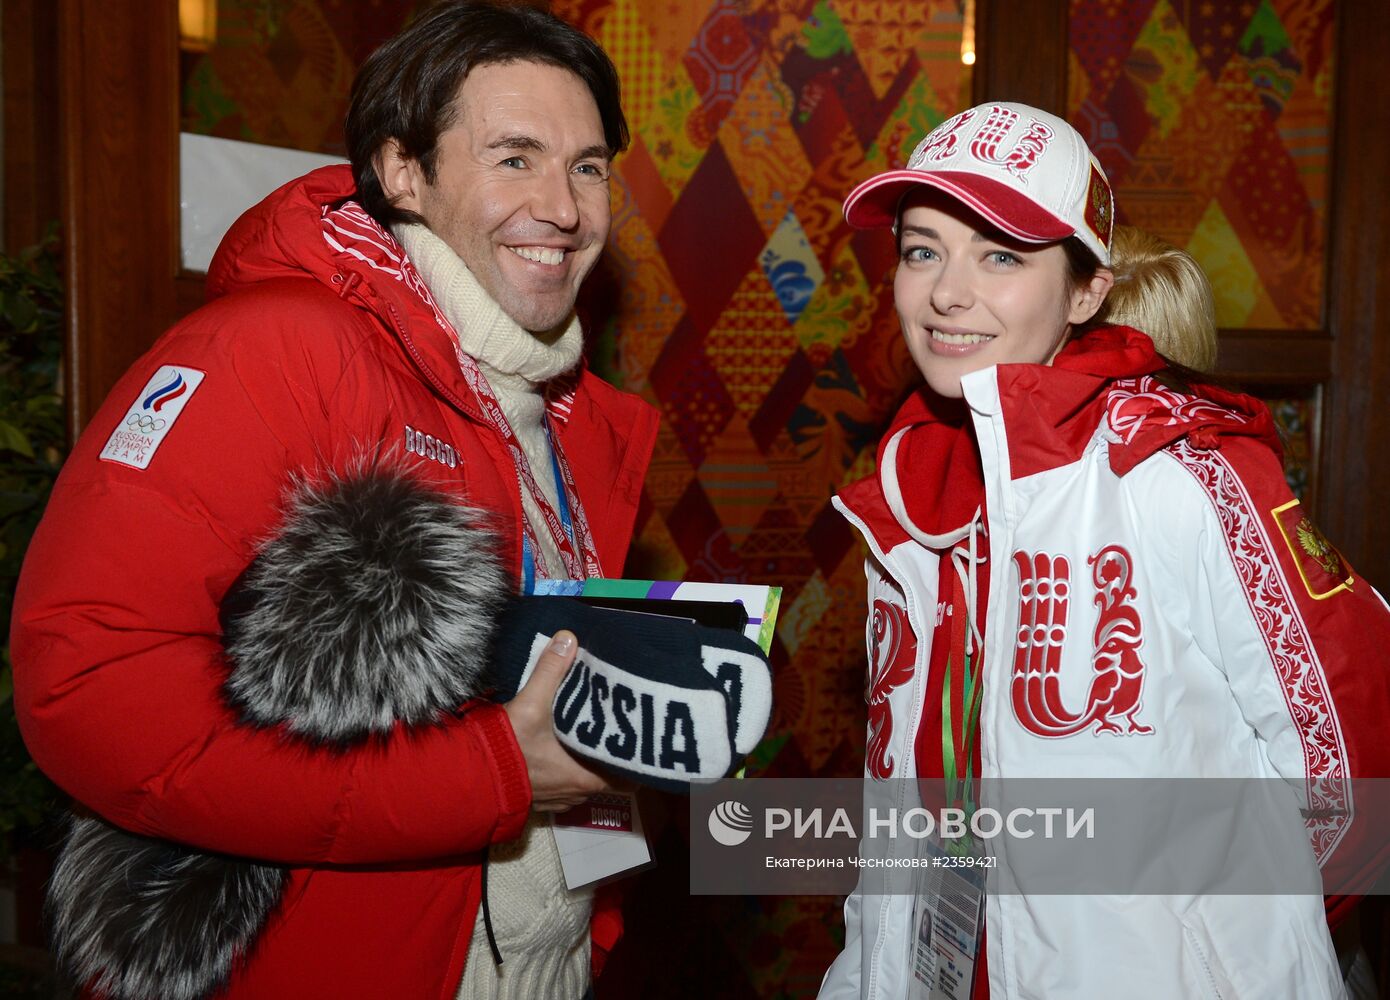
x=1022, y=169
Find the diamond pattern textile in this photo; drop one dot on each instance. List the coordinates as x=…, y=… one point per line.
x=1212, y=120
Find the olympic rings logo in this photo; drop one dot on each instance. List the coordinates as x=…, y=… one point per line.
x=145, y=423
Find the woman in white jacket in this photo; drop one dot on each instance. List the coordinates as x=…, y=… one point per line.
x=1098, y=558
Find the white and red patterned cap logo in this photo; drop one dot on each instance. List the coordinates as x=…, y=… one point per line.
x=941, y=142
x=1024, y=170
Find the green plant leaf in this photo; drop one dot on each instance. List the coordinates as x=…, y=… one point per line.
x=44, y=404
x=32, y=446
x=21, y=315
x=14, y=439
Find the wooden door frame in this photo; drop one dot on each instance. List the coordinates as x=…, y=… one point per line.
x=1355, y=469
x=30, y=39
x=119, y=146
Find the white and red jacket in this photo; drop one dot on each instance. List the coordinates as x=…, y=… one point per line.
x=319, y=345
x=1225, y=639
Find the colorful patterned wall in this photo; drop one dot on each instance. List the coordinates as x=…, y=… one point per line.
x=734, y=297
x=752, y=315
x=763, y=327
x=1212, y=119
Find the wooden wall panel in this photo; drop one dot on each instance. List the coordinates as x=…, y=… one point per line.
x=29, y=29
x=118, y=116
x=1275, y=357
x=1356, y=459
x=1022, y=49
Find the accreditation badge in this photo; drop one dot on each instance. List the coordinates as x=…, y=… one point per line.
x=948, y=920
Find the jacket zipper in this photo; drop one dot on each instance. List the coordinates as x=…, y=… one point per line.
x=918, y=703
x=449, y=396
x=425, y=369
x=1201, y=954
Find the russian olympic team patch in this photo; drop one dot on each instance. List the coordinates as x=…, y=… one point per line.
x=151, y=416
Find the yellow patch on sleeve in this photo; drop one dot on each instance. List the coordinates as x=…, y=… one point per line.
x=1323, y=570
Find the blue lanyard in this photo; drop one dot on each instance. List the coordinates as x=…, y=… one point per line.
x=528, y=558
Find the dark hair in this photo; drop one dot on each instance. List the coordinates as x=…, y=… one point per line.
x=406, y=89
x=1082, y=263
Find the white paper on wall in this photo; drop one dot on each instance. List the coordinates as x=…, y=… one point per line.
x=221, y=178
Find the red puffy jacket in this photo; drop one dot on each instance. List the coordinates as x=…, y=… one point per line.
x=313, y=350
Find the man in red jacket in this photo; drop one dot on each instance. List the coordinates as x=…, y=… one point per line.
x=374, y=337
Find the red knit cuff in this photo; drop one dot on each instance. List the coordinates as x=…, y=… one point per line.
x=493, y=731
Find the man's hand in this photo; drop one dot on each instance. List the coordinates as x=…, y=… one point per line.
x=558, y=781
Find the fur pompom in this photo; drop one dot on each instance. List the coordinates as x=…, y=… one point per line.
x=374, y=604
x=144, y=919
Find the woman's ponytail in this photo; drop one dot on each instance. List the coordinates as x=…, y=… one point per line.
x=1162, y=291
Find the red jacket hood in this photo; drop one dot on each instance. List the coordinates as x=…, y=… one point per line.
x=312, y=228
x=282, y=235
x=1066, y=400
x=1051, y=413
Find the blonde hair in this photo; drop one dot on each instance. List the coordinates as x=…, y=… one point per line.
x=1162, y=291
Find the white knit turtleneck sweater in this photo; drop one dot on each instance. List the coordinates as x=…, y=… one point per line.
x=542, y=928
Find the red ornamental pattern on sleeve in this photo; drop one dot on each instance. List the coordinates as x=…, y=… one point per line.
x=1294, y=660
x=893, y=658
